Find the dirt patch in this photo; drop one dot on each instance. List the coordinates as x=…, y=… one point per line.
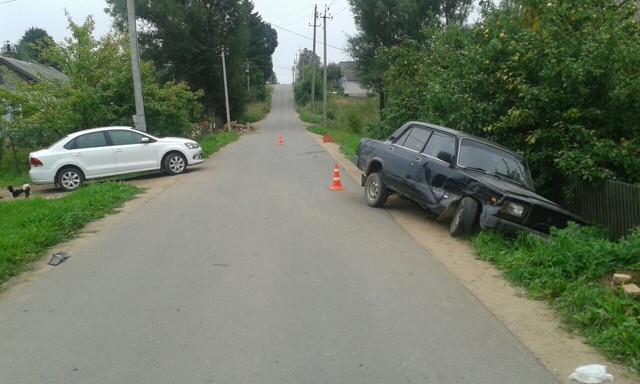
x=534, y=323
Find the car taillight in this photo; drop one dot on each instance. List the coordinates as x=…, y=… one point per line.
x=35, y=162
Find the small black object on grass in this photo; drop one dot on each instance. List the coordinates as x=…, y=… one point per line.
x=58, y=258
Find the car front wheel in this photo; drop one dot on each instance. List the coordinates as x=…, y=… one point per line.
x=175, y=164
x=464, y=218
x=375, y=192
x=70, y=179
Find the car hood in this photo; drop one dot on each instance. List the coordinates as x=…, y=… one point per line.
x=174, y=140
x=510, y=189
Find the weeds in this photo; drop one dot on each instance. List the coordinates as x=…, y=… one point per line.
x=568, y=270
x=213, y=143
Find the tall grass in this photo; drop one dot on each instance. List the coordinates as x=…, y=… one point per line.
x=570, y=270
x=347, y=120
x=29, y=226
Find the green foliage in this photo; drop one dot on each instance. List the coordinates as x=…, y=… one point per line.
x=385, y=24
x=29, y=226
x=32, y=43
x=568, y=270
x=556, y=81
x=213, y=143
x=98, y=92
x=186, y=40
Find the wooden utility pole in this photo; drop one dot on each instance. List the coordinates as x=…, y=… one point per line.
x=138, y=118
x=313, y=61
x=324, y=93
x=226, y=91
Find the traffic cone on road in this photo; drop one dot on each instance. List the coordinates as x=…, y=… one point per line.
x=337, y=185
x=327, y=138
x=280, y=142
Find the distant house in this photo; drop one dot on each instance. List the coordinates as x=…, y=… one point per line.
x=13, y=71
x=350, y=80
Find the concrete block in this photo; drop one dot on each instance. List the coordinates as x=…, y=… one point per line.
x=632, y=289
x=621, y=278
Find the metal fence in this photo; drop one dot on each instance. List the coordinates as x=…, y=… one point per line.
x=613, y=205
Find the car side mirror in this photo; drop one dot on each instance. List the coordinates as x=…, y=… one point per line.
x=145, y=140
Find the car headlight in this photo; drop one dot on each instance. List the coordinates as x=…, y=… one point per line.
x=192, y=145
x=513, y=209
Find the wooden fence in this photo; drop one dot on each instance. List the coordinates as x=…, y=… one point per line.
x=613, y=205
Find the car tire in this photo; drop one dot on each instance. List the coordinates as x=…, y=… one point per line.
x=175, y=163
x=70, y=179
x=464, y=219
x=375, y=192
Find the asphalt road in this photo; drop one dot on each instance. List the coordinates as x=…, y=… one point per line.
x=250, y=270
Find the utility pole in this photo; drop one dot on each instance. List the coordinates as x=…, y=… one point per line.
x=324, y=93
x=313, y=61
x=247, y=70
x=226, y=91
x=138, y=118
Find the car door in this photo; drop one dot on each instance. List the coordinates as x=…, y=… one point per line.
x=131, y=153
x=403, y=155
x=431, y=177
x=93, y=153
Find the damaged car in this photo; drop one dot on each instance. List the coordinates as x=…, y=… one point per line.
x=463, y=179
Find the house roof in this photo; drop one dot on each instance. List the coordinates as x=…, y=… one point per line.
x=349, y=70
x=32, y=71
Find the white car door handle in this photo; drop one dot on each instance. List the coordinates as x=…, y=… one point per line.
x=78, y=154
x=117, y=150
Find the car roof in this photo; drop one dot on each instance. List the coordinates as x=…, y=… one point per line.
x=85, y=131
x=462, y=135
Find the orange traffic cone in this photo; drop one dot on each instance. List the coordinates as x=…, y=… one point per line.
x=280, y=142
x=327, y=138
x=337, y=185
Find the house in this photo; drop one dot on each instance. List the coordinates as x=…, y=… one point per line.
x=13, y=71
x=350, y=80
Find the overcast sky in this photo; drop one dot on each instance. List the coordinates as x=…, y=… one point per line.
x=290, y=18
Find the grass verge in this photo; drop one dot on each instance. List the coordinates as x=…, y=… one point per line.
x=571, y=270
x=29, y=226
x=212, y=143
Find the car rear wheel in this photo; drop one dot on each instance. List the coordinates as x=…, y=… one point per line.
x=70, y=179
x=175, y=163
x=375, y=192
x=465, y=218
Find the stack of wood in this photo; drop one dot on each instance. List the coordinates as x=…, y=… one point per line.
x=237, y=127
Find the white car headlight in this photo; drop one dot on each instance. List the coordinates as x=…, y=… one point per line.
x=513, y=209
x=192, y=145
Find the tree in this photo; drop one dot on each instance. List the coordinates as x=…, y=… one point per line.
x=384, y=24
x=32, y=43
x=99, y=91
x=186, y=40
x=557, y=81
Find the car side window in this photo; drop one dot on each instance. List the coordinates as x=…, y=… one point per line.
x=414, y=138
x=125, y=137
x=90, y=140
x=441, y=146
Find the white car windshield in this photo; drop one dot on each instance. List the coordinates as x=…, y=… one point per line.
x=494, y=161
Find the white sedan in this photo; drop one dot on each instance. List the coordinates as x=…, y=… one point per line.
x=102, y=152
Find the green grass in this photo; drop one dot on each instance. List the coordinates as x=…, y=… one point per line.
x=29, y=226
x=347, y=120
x=569, y=271
x=212, y=143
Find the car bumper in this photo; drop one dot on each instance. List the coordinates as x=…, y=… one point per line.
x=496, y=223
x=41, y=176
x=196, y=158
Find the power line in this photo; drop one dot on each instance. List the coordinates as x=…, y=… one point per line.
x=308, y=38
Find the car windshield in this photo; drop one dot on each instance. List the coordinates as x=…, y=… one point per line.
x=494, y=161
